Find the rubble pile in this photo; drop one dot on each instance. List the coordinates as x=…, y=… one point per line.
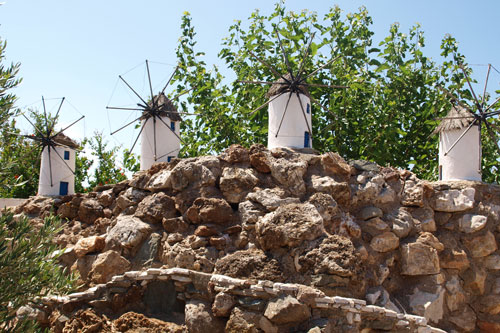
x=371, y=235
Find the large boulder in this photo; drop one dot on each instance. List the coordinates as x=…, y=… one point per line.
x=290, y=173
x=419, y=259
x=236, y=183
x=287, y=310
x=89, y=245
x=210, y=210
x=90, y=210
x=271, y=198
x=128, y=232
x=454, y=200
x=199, y=318
x=107, y=265
x=155, y=207
x=289, y=226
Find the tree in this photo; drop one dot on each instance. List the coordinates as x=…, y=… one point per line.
x=386, y=115
x=28, y=266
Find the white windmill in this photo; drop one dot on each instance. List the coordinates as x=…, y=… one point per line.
x=289, y=103
x=57, y=167
x=460, y=136
x=160, y=124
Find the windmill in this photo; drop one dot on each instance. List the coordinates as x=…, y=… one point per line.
x=290, y=102
x=159, y=123
x=57, y=167
x=460, y=135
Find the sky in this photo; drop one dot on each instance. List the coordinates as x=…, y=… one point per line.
x=77, y=49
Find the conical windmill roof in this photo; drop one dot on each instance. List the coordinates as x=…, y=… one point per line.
x=279, y=88
x=166, y=107
x=457, y=118
x=63, y=139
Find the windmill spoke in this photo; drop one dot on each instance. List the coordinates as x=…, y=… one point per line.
x=170, y=79
x=322, y=85
x=32, y=124
x=68, y=126
x=120, y=108
x=285, y=55
x=491, y=114
x=150, y=86
x=262, y=82
x=154, y=137
x=50, y=166
x=453, y=98
x=491, y=105
x=323, y=107
x=480, y=109
x=460, y=137
x=304, y=114
x=263, y=105
x=492, y=135
x=45, y=116
x=171, y=130
x=182, y=93
x=138, y=135
x=306, y=53
x=319, y=68
x=284, y=113
x=275, y=72
x=135, y=92
x=485, y=84
x=162, y=156
x=62, y=159
x=57, y=115
x=130, y=123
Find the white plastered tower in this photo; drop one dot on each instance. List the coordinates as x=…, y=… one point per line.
x=160, y=137
x=459, y=153
x=289, y=118
x=57, y=167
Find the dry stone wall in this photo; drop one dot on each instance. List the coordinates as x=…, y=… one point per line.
x=354, y=230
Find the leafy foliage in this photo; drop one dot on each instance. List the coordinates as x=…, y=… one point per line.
x=386, y=115
x=28, y=265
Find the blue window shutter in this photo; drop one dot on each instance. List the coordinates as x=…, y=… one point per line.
x=308, y=108
x=66, y=155
x=172, y=125
x=169, y=158
x=63, y=188
x=306, y=139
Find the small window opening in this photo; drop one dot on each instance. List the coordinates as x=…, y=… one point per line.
x=308, y=108
x=66, y=155
x=172, y=125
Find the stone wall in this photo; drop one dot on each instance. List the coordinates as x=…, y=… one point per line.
x=354, y=230
x=215, y=303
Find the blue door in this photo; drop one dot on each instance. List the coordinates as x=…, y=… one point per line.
x=306, y=139
x=63, y=188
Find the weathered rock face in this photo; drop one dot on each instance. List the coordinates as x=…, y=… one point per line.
x=348, y=229
x=289, y=226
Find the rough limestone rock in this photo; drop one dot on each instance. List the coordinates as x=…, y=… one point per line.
x=89, y=245
x=128, y=232
x=326, y=206
x=235, y=154
x=210, y=210
x=481, y=246
x=159, y=181
x=236, y=183
x=370, y=212
x=470, y=223
x=289, y=225
x=243, y=321
x=250, y=264
x=290, y=174
x=413, y=194
x=90, y=210
x=199, y=318
x=385, y=242
x=250, y=212
x=287, y=310
x=107, y=265
x=490, y=304
x=155, y=207
x=223, y=304
x=455, y=296
x=428, y=305
x=402, y=222
x=196, y=173
x=130, y=197
x=336, y=165
x=465, y=320
x=419, y=259
x=454, y=200
x=271, y=198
